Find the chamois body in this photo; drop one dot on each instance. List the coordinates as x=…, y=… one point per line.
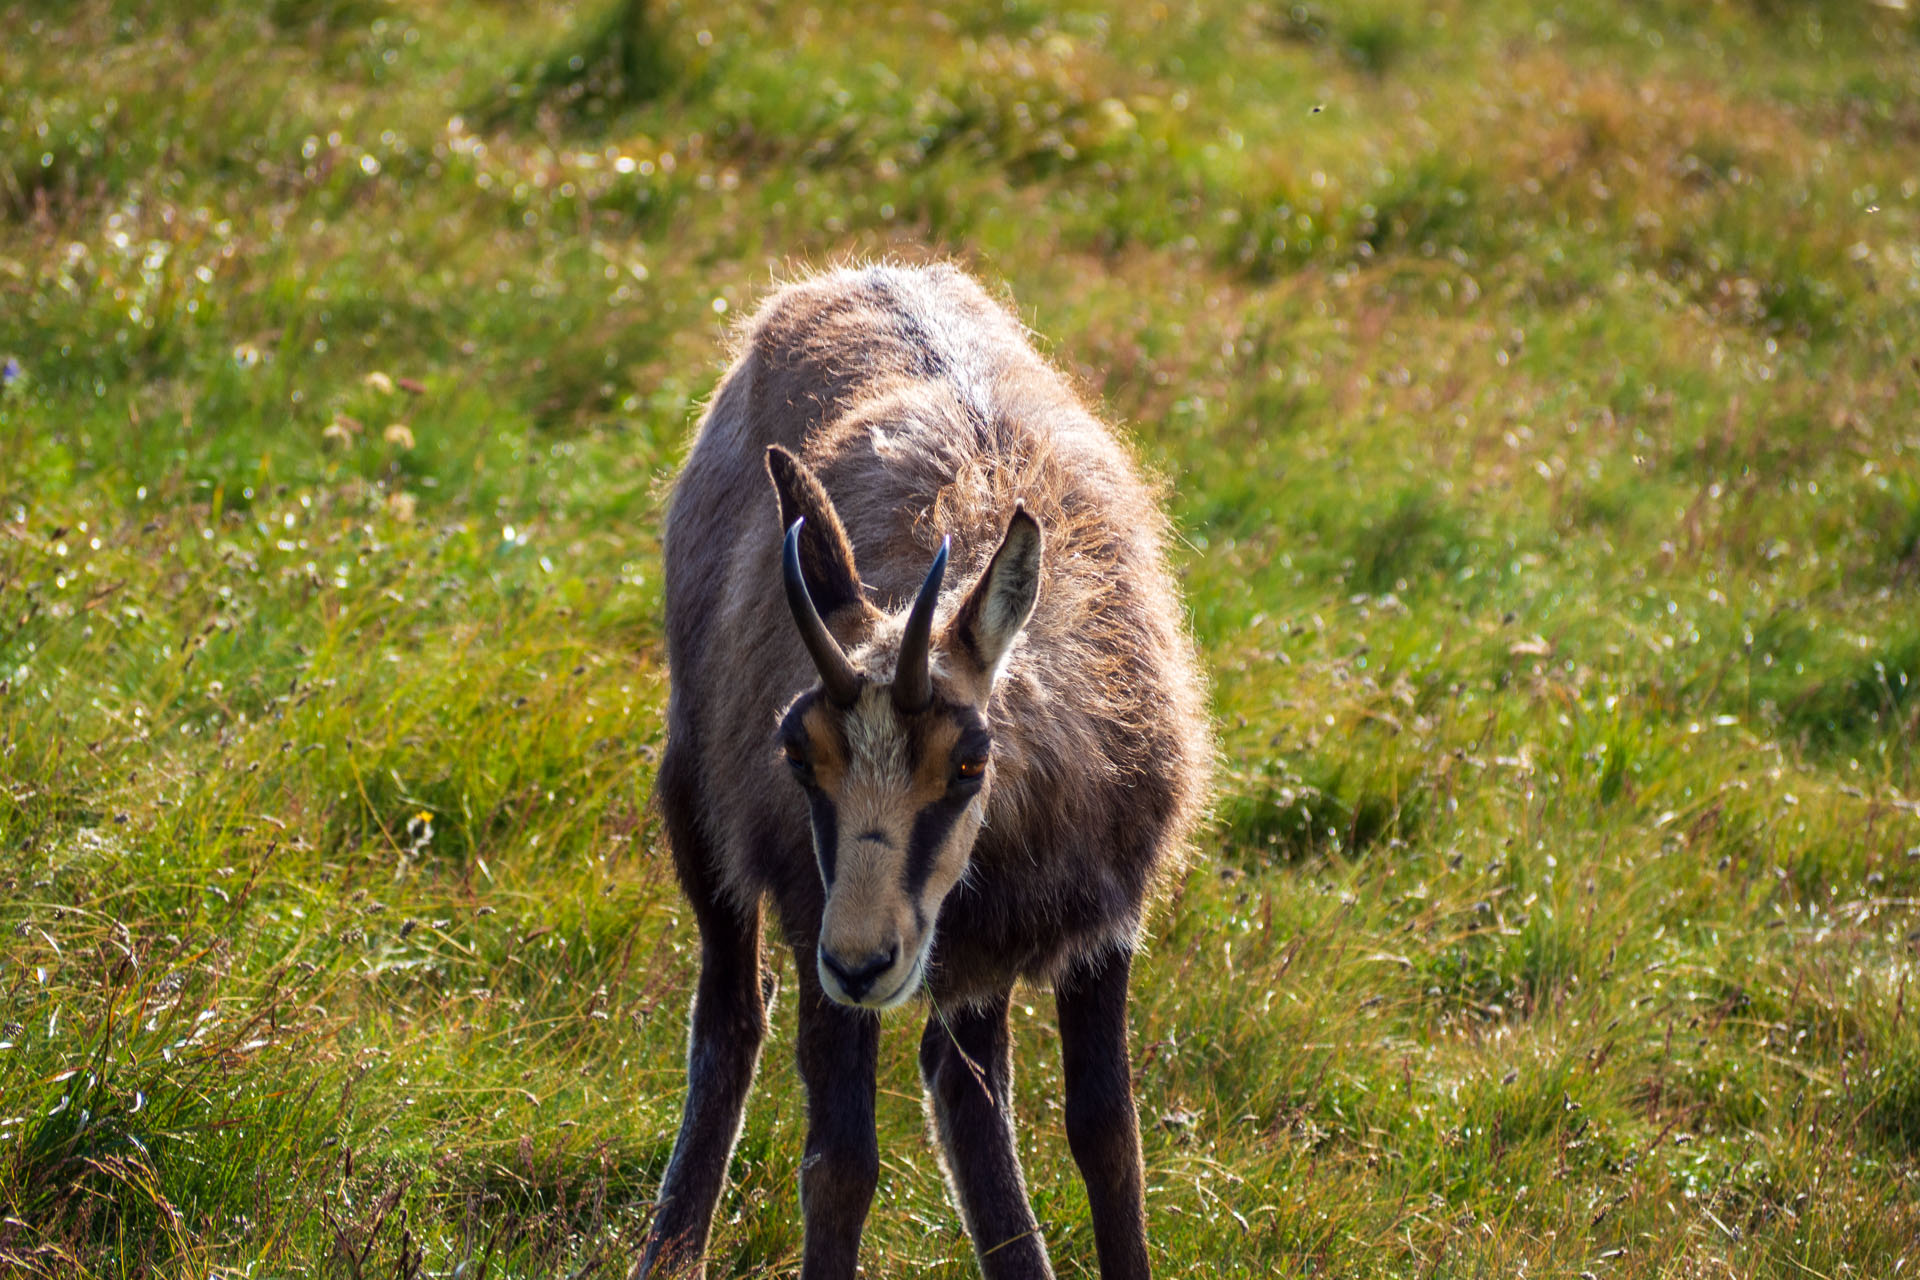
x=901, y=411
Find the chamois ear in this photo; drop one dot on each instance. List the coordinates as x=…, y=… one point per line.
x=1000, y=603
x=826, y=557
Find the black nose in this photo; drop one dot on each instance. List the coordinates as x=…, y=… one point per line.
x=857, y=976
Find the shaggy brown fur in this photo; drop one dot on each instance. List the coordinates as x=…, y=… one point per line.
x=924, y=412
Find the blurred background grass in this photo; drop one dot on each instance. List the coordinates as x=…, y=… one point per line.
x=1535, y=390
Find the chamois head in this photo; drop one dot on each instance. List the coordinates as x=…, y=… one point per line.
x=892, y=747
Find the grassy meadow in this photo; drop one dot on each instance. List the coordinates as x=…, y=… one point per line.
x=1536, y=390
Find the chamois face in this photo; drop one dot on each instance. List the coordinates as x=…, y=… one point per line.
x=896, y=800
x=893, y=751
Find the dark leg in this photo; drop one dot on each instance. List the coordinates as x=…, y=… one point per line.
x=1102, y=1129
x=728, y=1022
x=966, y=1062
x=836, y=1051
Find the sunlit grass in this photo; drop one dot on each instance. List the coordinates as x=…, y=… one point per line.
x=1531, y=388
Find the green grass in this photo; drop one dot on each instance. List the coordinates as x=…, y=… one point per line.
x=1533, y=390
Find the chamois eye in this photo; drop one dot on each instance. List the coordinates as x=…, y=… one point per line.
x=801, y=766
x=971, y=770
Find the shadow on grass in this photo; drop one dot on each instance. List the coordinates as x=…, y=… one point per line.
x=1835, y=702
x=1372, y=42
x=618, y=59
x=1417, y=534
x=1327, y=807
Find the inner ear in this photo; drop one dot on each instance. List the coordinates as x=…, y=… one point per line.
x=826, y=557
x=1001, y=602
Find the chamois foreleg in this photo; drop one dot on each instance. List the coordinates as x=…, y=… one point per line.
x=728, y=1023
x=1102, y=1128
x=836, y=1049
x=967, y=1065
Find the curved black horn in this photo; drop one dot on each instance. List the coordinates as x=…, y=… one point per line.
x=836, y=673
x=912, y=678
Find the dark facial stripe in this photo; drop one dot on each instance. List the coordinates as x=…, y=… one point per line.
x=826, y=834
x=930, y=829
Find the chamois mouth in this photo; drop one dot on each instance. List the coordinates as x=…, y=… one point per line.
x=908, y=988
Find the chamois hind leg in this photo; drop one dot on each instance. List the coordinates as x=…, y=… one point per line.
x=1102, y=1129
x=966, y=1064
x=728, y=1022
x=836, y=1047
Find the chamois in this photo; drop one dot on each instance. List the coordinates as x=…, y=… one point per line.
x=944, y=779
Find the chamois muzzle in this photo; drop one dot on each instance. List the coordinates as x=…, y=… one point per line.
x=837, y=675
x=912, y=673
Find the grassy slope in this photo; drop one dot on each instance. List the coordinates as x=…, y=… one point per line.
x=1535, y=395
